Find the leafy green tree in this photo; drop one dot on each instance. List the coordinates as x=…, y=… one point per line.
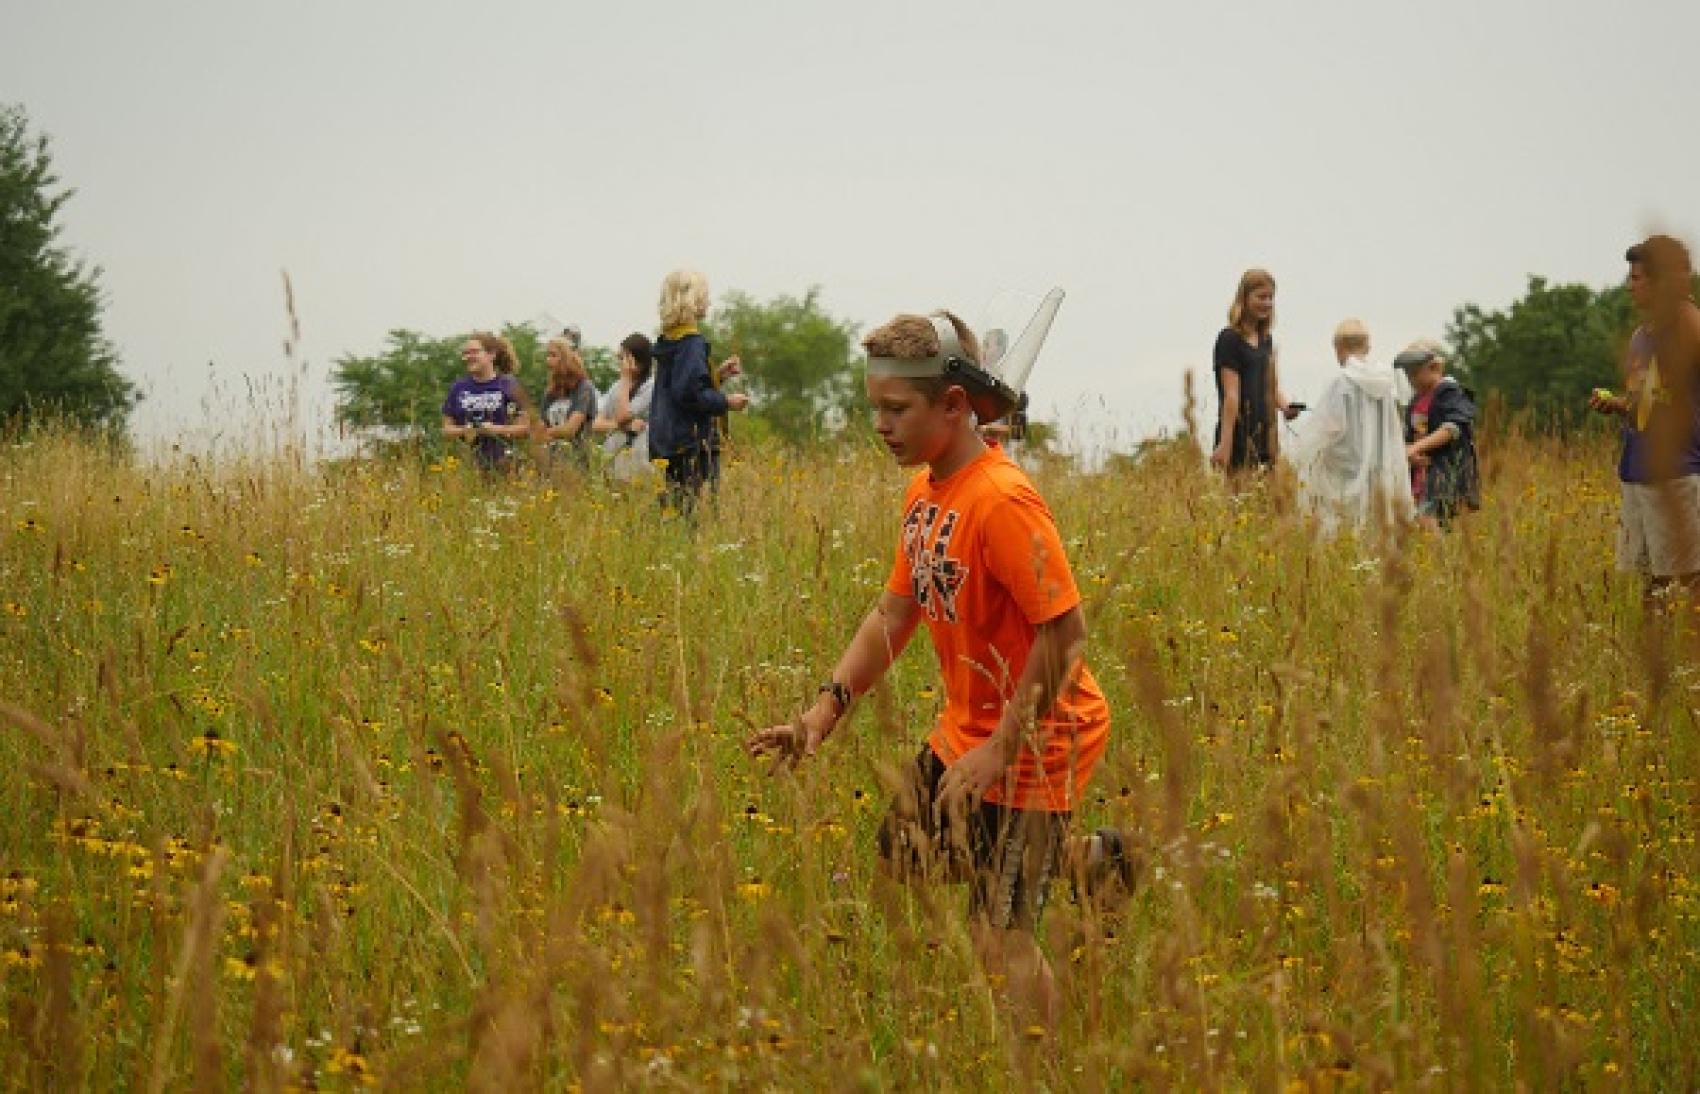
x=602, y=364
x=1548, y=350
x=54, y=358
x=401, y=387
x=801, y=364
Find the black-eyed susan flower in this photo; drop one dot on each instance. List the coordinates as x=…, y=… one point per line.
x=350, y=1064
x=22, y=956
x=211, y=745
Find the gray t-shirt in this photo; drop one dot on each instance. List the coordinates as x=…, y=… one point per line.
x=629, y=452
x=639, y=405
x=580, y=400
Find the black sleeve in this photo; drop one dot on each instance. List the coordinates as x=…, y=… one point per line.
x=1226, y=355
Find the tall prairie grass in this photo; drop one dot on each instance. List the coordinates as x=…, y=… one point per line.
x=374, y=774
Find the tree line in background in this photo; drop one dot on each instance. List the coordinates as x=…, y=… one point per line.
x=1541, y=355
x=1544, y=353
x=55, y=360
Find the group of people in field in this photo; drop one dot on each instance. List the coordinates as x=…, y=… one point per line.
x=979, y=561
x=666, y=409
x=1384, y=447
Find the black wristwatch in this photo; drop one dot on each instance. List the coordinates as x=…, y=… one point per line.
x=840, y=694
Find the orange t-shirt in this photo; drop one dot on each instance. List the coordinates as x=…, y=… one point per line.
x=981, y=556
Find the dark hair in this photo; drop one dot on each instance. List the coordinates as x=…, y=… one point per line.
x=643, y=353
x=1660, y=255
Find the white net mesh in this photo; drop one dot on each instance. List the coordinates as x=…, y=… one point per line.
x=1012, y=330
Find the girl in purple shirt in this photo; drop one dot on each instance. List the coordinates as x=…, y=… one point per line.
x=486, y=406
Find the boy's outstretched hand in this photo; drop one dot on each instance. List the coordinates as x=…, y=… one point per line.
x=788, y=744
x=966, y=780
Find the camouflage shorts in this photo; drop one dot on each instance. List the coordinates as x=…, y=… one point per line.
x=1008, y=856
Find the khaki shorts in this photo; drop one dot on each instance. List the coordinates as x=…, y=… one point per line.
x=1660, y=530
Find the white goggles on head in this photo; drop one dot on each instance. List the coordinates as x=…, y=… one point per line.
x=990, y=397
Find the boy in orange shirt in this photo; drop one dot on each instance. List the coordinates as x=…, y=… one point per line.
x=980, y=562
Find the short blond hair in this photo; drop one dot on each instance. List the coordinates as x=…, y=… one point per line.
x=684, y=299
x=1352, y=336
x=913, y=338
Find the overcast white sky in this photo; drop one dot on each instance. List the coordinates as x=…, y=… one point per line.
x=443, y=167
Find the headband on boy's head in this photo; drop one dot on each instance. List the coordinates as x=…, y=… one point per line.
x=988, y=395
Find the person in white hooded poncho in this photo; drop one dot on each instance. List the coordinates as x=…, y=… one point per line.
x=1350, y=453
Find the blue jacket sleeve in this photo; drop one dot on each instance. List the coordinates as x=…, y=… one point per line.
x=1452, y=404
x=692, y=387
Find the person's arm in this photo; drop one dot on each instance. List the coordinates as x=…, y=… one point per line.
x=609, y=419
x=1230, y=416
x=1689, y=345
x=1450, y=414
x=1281, y=403
x=732, y=367
x=1439, y=437
x=634, y=416
x=519, y=427
x=1612, y=406
x=568, y=429
x=623, y=400
x=1322, y=434
x=1632, y=369
x=454, y=430
x=1422, y=450
x=1051, y=663
x=878, y=642
x=695, y=387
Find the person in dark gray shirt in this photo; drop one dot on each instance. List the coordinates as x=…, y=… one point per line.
x=569, y=404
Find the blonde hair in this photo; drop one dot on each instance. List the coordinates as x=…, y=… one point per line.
x=1352, y=336
x=573, y=361
x=1250, y=282
x=684, y=299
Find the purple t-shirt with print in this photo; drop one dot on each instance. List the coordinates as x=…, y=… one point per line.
x=484, y=402
x=1649, y=401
